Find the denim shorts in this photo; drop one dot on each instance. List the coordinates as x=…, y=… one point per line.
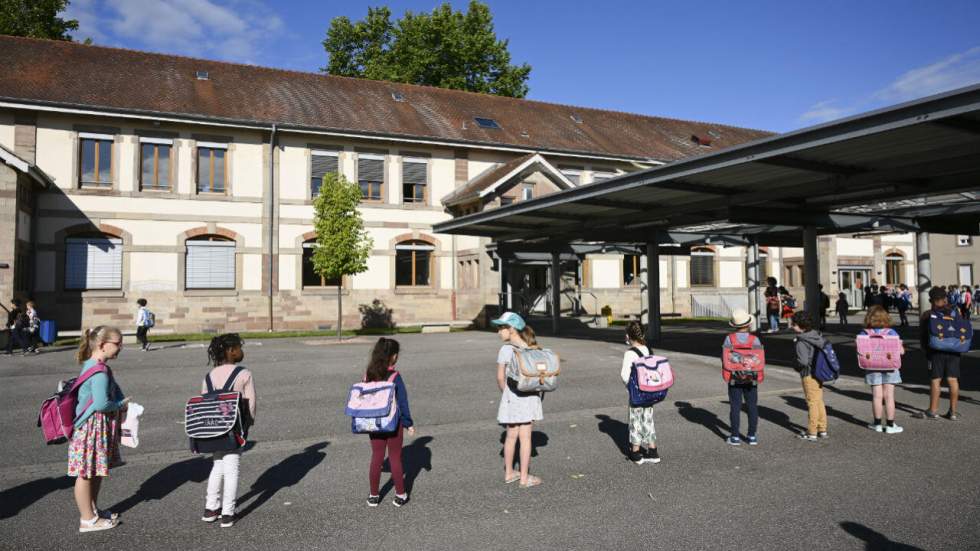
x=875, y=378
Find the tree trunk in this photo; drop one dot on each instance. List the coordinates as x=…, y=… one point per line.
x=340, y=315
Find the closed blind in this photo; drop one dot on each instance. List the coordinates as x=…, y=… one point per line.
x=324, y=164
x=413, y=173
x=370, y=170
x=93, y=263
x=702, y=268
x=210, y=265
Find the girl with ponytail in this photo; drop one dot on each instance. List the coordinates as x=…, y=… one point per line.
x=94, y=447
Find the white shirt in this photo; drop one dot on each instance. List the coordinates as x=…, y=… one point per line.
x=628, y=358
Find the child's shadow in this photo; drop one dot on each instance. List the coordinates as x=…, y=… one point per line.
x=800, y=403
x=617, y=431
x=866, y=396
x=286, y=473
x=777, y=417
x=415, y=457
x=538, y=440
x=703, y=417
x=165, y=481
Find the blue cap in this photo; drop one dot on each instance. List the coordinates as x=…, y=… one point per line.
x=511, y=319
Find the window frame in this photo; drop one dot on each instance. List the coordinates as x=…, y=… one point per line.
x=98, y=138
x=896, y=260
x=424, y=185
x=309, y=245
x=214, y=238
x=212, y=146
x=964, y=240
x=157, y=143
x=117, y=242
x=636, y=270
x=382, y=185
x=415, y=246
x=321, y=153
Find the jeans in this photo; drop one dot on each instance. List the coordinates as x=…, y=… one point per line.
x=393, y=443
x=736, y=393
x=19, y=338
x=813, y=392
x=141, y=335
x=773, y=320
x=843, y=318
x=903, y=317
x=223, y=482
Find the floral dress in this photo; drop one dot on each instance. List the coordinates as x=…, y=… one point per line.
x=94, y=447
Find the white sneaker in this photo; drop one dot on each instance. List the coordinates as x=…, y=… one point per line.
x=893, y=429
x=876, y=428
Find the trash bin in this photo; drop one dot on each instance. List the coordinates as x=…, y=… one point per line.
x=49, y=331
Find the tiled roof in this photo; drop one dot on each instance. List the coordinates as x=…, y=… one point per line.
x=72, y=74
x=484, y=180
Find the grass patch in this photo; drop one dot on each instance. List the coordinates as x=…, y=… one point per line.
x=670, y=321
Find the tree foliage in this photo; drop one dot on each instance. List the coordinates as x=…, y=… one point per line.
x=36, y=18
x=445, y=48
x=342, y=244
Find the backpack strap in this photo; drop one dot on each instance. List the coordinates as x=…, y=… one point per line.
x=207, y=382
x=231, y=378
x=89, y=373
x=637, y=350
x=391, y=378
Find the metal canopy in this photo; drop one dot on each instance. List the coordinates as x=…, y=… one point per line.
x=844, y=176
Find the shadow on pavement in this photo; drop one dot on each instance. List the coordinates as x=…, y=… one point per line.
x=286, y=473
x=800, y=403
x=777, y=417
x=866, y=397
x=166, y=481
x=703, y=417
x=616, y=430
x=416, y=457
x=538, y=440
x=875, y=541
x=18, y=498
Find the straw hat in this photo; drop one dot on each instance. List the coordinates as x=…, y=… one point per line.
x=740, y=318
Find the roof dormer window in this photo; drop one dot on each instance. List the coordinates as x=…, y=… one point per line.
x=484, y=122
x=202, y=75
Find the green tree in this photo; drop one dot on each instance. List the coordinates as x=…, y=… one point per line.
x=445, y=48
x=36, y=18
x=342, y=245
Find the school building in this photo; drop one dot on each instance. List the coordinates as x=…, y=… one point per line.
x=189, y=182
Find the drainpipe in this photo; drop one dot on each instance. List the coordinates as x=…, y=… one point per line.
x=272, y=216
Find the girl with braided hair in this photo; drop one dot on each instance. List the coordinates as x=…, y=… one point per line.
x=224, y=353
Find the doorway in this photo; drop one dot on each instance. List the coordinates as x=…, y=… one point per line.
x=851, y=282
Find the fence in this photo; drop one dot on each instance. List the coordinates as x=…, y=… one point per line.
x=717, y=305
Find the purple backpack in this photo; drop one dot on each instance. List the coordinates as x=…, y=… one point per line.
x=57, y=416
x=372, y=406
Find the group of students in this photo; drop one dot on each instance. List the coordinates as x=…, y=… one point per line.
x=24, y=327
x=94, y=444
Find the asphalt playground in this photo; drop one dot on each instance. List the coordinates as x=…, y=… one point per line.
x=304, y=480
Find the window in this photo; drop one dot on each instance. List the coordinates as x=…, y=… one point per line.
x=483, y=122
x=414, y=175
x=371, y=176
x=155, y=164
x=210, y=263
x=964, y=240
x=631, y=269
x=965, y=273
x=506, y=200
x=93, y=263
x=763, y=266
x=212, y=167
x=321, y=164
x=310, y=277
x=95, y=166
x=413, y=260
x=22, y=272
x=893, y=269
x=574, y=175
x=527, y=193
x=702, y=267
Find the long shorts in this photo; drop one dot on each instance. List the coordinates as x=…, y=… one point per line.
x=875, y=378
x=944, y=366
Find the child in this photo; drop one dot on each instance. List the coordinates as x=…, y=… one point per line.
x=94, y=447
x=903, y=302
x=224, y=353
x=33, y=327
x=518, y=410
x=380, y=368
x=941, y=365
x=142, y=324
x=642, y=430
x=842, y=307
x=808, y=341
x=738, y=390
x=882, y=383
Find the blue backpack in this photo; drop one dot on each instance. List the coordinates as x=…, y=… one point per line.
x=826, y=367
x=949, y=332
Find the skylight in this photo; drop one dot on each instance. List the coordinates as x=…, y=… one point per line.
x=486, y=123
x=576, y=118
x=202, y=75
x=397, y=96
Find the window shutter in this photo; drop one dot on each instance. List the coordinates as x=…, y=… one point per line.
x=93, y=263
x=210, y=265
x=370, y=170
x=414, y=173
x=324, y=164
x=702, y=268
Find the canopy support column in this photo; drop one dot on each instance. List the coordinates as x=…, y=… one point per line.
x=653, y=292
x=811, y=269
x=924, y=269
x=555, y=292
x=753, y=274
x=505, y=290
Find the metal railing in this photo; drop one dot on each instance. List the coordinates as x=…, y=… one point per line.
x=717, y=305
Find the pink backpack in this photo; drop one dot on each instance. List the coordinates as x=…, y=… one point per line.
x=653, y=373
x=372, y=406
x=743, y=362
x=877, y=352
x=57, y=416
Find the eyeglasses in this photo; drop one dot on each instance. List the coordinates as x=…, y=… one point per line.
x=117, y=343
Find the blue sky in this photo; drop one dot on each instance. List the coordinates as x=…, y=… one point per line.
x=776, y=65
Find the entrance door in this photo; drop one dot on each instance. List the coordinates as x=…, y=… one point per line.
x=851, y=282
x=965, y=274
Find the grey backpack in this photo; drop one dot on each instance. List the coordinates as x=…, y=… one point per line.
x=535, y=369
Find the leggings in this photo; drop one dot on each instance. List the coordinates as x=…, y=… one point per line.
x=223, y=483
x=393, y=442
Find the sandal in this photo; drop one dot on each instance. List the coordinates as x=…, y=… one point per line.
x=108, y=515
x=532, y=481
x=98, y=525
x=514, y=478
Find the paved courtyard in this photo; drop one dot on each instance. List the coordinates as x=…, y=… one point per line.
x=303, y=484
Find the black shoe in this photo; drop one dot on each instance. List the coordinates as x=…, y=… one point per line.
x=373, y=501
x=227, y=521
x=399, y=501
x=211, y=515
x=635, y=457
x=651, y=456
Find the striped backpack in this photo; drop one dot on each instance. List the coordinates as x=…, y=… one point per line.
x=214, y=421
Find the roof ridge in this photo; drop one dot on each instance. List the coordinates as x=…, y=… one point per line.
x=385, y=82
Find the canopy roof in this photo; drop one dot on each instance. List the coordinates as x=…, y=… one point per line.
x=909, y=167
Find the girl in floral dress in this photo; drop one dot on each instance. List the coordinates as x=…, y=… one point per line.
x=94, y=447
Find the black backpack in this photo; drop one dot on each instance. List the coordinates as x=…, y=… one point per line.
x=216, y=421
